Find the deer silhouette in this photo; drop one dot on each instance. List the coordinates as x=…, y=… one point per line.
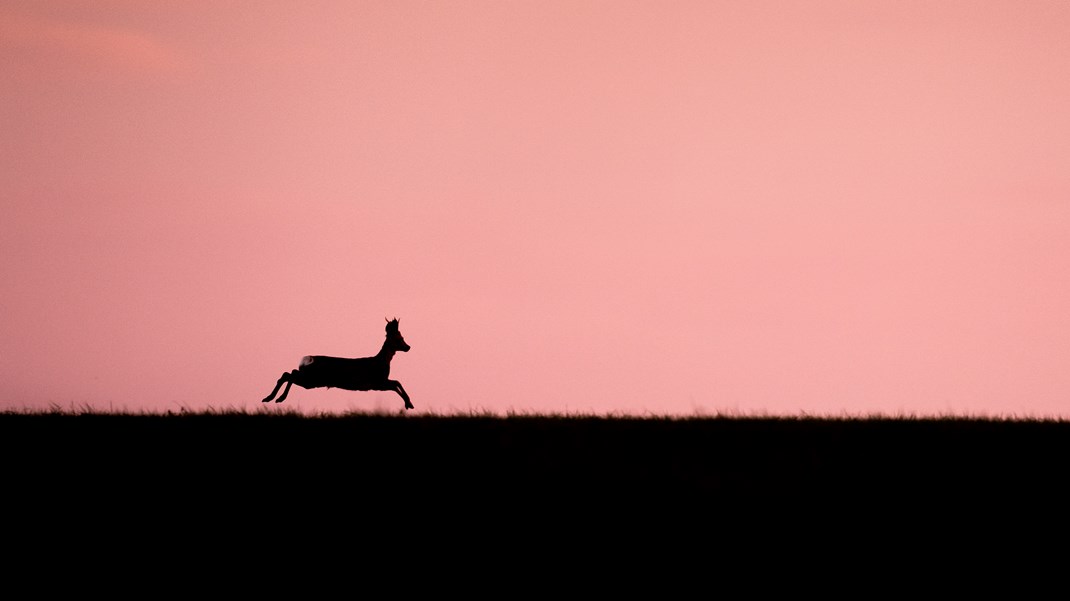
x=367, y=373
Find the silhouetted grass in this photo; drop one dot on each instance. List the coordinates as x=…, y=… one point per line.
x=551, y=491
x=535, y=460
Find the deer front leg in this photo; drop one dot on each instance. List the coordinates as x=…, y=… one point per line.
x=282, y=380
x=396, y=386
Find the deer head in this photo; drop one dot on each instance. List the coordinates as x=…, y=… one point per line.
x=394, y=337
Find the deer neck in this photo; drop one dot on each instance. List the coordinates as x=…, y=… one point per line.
x=387, y=352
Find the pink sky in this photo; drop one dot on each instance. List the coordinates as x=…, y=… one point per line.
x=672, y=207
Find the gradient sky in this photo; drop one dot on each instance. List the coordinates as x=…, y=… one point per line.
x=672, y=207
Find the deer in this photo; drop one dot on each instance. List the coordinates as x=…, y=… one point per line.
x=366, y=373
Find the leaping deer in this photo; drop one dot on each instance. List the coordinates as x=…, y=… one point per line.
x=367, y=373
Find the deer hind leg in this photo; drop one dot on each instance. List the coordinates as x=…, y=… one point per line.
x=396, y=386
x=293, y=376
x=283, y=379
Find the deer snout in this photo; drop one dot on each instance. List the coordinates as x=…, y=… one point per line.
x=404, y=347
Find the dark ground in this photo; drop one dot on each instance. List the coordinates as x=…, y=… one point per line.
x=513, y=502
x=414, y=463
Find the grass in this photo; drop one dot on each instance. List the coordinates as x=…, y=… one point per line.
x=291, y=410
x=554, y=492
x=229, y=475
x=701, y=458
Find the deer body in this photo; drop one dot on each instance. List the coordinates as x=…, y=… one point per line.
x=366, y=373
